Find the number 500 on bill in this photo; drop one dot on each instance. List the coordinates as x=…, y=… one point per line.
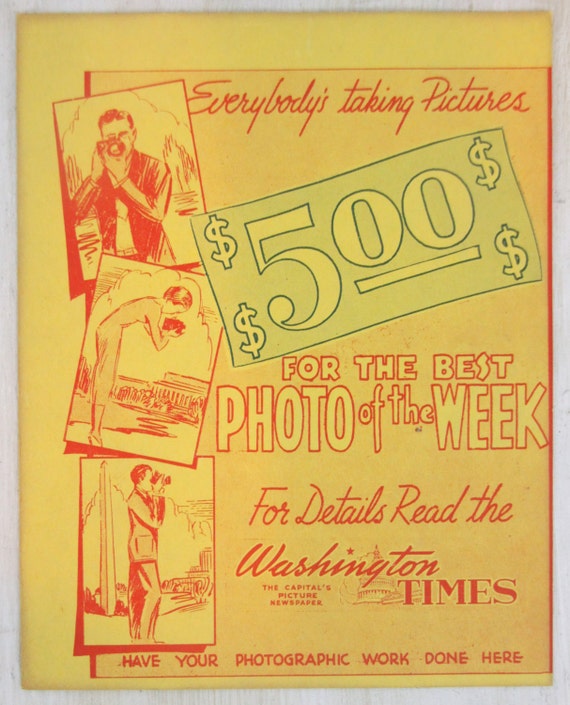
x=433, y=225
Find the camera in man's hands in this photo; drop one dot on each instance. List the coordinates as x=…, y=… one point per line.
x=112, y=147
x=174, y=326
x=160, y=480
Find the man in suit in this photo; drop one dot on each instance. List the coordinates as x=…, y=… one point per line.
x=128, y=192
x=146, y=506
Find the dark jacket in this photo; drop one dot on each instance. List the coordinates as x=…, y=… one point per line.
x=146, y=514
x=146, y=193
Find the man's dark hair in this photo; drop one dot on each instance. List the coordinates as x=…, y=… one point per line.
x=115, y=114
x=138, y=472
x=179, y=295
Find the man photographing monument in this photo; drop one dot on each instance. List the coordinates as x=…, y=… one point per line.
x=146, y=505
x=128, y=192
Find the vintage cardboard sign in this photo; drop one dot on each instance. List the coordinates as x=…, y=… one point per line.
x=292, y=403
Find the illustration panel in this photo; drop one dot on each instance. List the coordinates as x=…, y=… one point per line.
x=146, y=363
x=146, y=556
x=393, y=295
x=129, y=178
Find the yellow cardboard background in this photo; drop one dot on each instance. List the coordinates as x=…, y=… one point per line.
x=51, y=327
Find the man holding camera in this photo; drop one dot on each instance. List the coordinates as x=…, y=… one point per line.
x=146, y=505
x=129, y=193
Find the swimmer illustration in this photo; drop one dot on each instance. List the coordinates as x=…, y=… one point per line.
x=159, y=318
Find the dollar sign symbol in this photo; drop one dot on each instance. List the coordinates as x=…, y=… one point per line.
x=255, y=334
x=518, y=258
x=226, y=246
x=491, y=168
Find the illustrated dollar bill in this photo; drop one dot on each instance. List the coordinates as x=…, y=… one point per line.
x=427, y=227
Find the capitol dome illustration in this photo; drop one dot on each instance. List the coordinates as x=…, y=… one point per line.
x=380, y=589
